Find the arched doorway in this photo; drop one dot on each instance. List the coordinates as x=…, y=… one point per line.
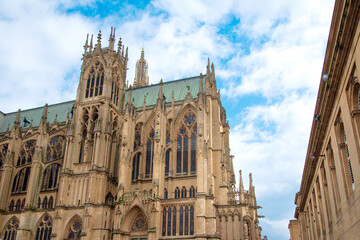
x=139, y=228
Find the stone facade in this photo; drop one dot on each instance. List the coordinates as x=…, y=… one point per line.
x=328, y=203
x=143, y=162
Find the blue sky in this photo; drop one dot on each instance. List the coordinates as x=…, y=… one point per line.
x=268, y=58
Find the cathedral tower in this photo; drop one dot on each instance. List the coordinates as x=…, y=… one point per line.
x=141, y=73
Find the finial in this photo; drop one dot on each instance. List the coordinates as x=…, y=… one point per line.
x=241, y=181
x=17, y=120
x=67, y=119
x=98, y=45
x=91, y=44
x=86, y=45
x=55, y=120
x=119, y=46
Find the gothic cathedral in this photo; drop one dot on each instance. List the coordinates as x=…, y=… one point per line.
x=123, y=162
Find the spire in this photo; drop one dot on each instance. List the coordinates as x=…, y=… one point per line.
x=208, y=69
x=141, y=72
x=241, y=183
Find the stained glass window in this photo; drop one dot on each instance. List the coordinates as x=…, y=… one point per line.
x=44, y=229
x=139, y=224
x=75, y=230
x=137, y=140
x=164, y=222
x=169, y=222
x=192, y=220
x=11, y=228
x=95, y=88
x=186, y=145
x=167, y=162
x=55, y=148
x=26, y=153
x=149, y=155
x=174, y=222
x=50, y=177
x=181, y=221
x=136, y=166
x=21, y=180
x=186, y=232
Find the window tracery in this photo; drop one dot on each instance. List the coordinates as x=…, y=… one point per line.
x=11, y=228
x=149, y=155
x=192, y=192
x=44, y=228
x=17, y=206
x=11, y=206
x=183, y=192
x=26, y=153
x=50, y=177
x=115, y=86
x=55, y=148
x=95, y=81
x=74, y=229
x=177, y=192
x=186, y=145
x=140, y=224
x=21, y=180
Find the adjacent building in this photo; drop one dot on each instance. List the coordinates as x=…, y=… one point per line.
x=138, y=162
x=328, y=203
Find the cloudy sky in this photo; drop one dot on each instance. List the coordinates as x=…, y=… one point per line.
x=268, y=57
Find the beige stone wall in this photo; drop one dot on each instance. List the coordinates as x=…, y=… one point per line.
x=328, y=204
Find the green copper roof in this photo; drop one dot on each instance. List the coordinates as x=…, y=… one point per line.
x=179, y=87
x=35, y=114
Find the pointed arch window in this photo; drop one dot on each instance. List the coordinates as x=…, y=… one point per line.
x=169, y=222
x=11, y=228
x=44, y=228
x=17, y=206
x=192, y=214
x=167, y=162
x=164, y=222
x=74, y=230
x=51, y=202
x=95, y=81
x=11, y=206
x=21, y=180
x=186, y=227
x=183, y=192
x=50, y=177
x=135, y=167
x=165, y=193
x=174, y=222
x=177, y=192
x=23, y=204
x=181, y=221
x=149, y=155
x=186, y=145
x=55, y=148
x=192, y=192
x=137, y=139
x=26, y=153
x=45, y=203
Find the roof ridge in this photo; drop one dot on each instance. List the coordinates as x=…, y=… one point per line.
x=49, y=105
x=167, y=82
